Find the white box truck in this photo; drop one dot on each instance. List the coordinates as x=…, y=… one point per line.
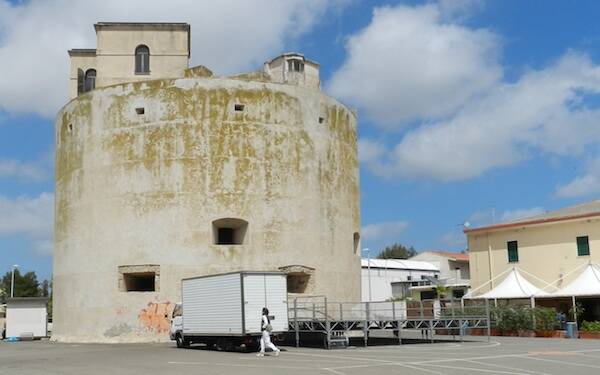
x=226, y=310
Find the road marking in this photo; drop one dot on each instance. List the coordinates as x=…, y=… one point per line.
x=476, y=369
x=506, y=367
x=562, y=362
x=333, y=371
x=236, y=365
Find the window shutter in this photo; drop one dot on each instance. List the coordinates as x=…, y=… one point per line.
x=583, y=246
x=80, y=81
x=513, y=251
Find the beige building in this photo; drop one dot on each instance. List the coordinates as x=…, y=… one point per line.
x=548, y=248
x=454, y=274
x=187, y=174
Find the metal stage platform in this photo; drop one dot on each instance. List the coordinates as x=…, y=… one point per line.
x=335, y=322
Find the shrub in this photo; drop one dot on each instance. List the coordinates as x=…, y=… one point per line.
x=513, y=318
x=590, y=326
x=545, y=319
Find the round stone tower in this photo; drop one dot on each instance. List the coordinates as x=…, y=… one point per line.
x=172, y=178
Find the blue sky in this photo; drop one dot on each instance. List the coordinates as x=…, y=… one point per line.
x=469, y=110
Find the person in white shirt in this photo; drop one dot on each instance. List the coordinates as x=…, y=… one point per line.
x=265, y=340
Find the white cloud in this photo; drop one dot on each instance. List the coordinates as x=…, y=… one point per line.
x=415, y=63
x=454, y=239
x=542, y=112
x=29, y=171
x=491, y=216
x=584, y=185
x=511, y=215
x=227, y=36
x=383, y=231
x=32, y=218
x=419, y=67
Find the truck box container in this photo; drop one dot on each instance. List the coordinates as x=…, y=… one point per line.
x=230, y=305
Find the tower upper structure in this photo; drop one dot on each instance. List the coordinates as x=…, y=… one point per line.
x=130, y=51
x=141, y=51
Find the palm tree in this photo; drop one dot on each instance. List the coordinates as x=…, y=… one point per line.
x=442, y=290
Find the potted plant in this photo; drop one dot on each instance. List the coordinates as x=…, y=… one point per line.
x=590, y=330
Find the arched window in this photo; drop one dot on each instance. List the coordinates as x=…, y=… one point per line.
x=142, y=60
x=90, y=80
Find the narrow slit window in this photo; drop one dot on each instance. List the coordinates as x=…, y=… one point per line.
x=140, y=110
x=583, y=246
x=356, y=238
x=321, y=120
x=70, y=127
x=239, y=107
x=513, y=251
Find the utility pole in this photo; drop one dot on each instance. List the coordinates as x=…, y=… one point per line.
x=12, y=282
x=369, y=269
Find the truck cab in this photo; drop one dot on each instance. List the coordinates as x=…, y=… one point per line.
x=177, y=325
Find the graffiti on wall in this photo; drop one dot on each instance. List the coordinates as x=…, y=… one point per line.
x=156, y=316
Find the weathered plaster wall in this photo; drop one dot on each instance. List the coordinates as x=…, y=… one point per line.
x=144, y=189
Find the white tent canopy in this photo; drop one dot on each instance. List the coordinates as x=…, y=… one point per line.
x=513, y=286
x=586, y=284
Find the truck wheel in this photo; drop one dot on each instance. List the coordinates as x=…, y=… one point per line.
x=181, y=343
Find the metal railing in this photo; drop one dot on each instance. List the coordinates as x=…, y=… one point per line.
x=317, y=314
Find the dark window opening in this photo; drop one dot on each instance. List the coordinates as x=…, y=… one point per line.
x=140, y=282
x=513, y=251
x=428, y=294
x=225, y=236
x=321, y=119
x=229, y=231
x=295, y=65
x=458, y=293
x=356, y=238
x=142, y=60
x=90, y=80
x=297, y=283
x=408, y=278
x=239, y=107
x=140, y=110
x=583, y=246
x=70, y=127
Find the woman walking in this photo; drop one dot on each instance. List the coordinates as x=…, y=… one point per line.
x=265, y=340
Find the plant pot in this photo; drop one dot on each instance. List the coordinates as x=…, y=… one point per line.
x=589, y=335
x=526, y=333
x=477, y=331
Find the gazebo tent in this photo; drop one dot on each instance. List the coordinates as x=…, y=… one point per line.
x=514, y=286
x=587, y=284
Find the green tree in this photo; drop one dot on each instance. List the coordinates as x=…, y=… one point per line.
x=397, y=251
x=26, y=285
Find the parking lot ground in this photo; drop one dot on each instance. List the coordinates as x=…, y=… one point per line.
x=503, y=355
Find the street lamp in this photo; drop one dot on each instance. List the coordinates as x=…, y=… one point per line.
x=12, y=282
x=368, y=251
